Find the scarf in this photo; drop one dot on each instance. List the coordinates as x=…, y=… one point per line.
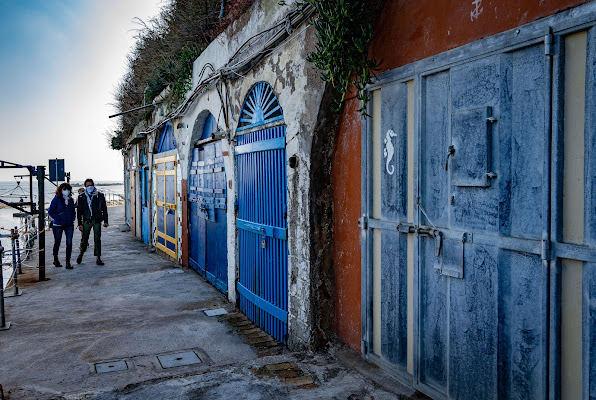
x=66, y=199
x=90, y=199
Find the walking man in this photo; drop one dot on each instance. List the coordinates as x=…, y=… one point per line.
x=91, y=212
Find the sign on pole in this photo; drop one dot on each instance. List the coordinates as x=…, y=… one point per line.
x=57, y=170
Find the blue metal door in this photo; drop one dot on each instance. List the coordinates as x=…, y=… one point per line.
x=261, y=222
x=208, y=252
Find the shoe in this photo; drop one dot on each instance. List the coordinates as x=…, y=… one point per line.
x=99, y=262
x=57, y=262
x=68, y=264
x=80, y=258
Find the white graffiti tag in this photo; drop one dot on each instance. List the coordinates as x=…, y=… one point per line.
x=389, y=151
x=477, y=10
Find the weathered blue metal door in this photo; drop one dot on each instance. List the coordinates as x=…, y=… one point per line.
x=208, y=253
x=261, y=222
x=459, y=289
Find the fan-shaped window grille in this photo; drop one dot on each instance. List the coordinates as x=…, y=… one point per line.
x=260, y=107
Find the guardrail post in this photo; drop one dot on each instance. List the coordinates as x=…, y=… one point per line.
x=18, y=246
x=41, y=172
x=13, y=242
x=3, y=324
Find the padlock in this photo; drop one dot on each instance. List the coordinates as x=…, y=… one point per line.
x=263, y=243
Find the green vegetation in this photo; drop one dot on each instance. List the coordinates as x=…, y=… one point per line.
x=166, y=47
x=344, y=33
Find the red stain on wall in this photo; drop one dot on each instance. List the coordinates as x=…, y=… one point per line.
x=346, y=172
x=184, y=224
x=410, y=30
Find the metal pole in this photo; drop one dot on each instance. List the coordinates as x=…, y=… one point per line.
x=31, y=189
x=13, y=242
x=18, y=246
x=3, y=324
x=41, y=172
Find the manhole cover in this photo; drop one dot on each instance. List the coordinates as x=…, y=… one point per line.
x=112, y=366
x=215, y=312
x=179, y=359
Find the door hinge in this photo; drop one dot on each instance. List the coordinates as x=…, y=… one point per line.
x=545, y=251
x=549, y=48
x=363, y=222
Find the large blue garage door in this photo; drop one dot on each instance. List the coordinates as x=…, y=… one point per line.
x=208, y=251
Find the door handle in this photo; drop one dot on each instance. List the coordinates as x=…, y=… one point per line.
x=450, y=152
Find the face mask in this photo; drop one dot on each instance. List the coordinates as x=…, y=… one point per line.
x=65, y=193
x=90, y=189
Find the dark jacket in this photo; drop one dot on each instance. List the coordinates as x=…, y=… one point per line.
x=98, y=204
x=62, y=214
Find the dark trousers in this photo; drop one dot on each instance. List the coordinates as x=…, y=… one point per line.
x=96, y=237
x=68, y=232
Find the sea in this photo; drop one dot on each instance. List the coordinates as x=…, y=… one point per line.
x=14, y=191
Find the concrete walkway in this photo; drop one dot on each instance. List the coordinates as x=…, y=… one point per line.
x=143, y=314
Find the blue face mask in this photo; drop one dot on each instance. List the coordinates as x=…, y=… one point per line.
x=90, y=189
x=65, y=193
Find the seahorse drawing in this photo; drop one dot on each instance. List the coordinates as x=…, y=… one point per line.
x=389, y=151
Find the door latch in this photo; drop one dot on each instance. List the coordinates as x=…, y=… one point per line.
x=263, y=239
x=450, y=152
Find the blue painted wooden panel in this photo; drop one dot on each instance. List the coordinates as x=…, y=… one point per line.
x=208, y=252
x=263, y=280
x=476, y=85
x=394, y=175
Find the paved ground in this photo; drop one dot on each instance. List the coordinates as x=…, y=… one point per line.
x=138, y=310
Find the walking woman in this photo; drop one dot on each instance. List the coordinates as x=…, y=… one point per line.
x=62, y=211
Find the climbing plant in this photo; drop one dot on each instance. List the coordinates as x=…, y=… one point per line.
x=344, y=34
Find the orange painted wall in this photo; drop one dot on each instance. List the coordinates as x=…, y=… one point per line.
x=346, y=172
x=410, y=30
x=406, y=31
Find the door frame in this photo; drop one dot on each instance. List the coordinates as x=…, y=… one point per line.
x=167, y=206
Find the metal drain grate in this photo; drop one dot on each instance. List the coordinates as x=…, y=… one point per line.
x=179, y=359
x=111, y=366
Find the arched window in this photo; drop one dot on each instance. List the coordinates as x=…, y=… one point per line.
x=260, y=107
x=209, y=127
x=167, y=140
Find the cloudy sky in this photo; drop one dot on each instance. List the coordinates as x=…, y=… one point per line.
x=60, y=61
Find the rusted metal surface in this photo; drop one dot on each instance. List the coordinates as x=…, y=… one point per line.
x=346, y=208
x=410, y=30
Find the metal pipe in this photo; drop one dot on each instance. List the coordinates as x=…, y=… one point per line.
x=41, y=171
x=135, y=109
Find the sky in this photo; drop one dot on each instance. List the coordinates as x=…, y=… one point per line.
x=60, y=62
